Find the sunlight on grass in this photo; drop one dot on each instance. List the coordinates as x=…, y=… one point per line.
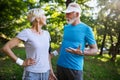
x=118, y=71
x=104, y=58
x=4, y=58
x=20, y=45
x=117, y=61
x=118, y=57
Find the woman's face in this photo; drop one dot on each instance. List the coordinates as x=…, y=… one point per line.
x=41, y=20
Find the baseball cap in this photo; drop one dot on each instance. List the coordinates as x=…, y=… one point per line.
x=73, y=7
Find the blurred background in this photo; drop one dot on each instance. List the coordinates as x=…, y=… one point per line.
x=102, y=15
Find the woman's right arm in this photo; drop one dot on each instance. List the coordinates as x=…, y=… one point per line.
x=8, y=46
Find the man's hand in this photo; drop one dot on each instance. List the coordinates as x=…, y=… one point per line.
x=28, y=62
x=74, y=51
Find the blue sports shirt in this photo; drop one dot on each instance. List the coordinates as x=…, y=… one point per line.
x=74, y=36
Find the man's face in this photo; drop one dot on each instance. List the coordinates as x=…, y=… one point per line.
x=71, y=17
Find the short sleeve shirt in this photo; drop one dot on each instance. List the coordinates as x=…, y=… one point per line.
x=74, y=36
x=37, y=47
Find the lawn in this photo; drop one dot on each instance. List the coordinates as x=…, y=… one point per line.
x=95, y=67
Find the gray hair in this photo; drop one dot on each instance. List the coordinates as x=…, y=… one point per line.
x=34, y=13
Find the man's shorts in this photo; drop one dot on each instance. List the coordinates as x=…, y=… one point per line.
x=69, y=74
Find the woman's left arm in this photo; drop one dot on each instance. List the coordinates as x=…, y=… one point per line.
x=51, y=75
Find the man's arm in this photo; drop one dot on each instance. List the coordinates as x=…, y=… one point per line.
x=91, y=51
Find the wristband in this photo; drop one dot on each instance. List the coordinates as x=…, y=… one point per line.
x=19, y=61
x=55, y=53
x=82, y=52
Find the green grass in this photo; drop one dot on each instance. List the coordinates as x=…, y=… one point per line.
x=100, y=68
x=8, y=69
x=95, y=68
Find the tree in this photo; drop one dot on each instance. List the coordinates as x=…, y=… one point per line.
x=110, y=13
x=10, y=13
x=11, y=24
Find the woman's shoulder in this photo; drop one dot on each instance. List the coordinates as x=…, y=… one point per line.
x=46, y=31
x=27, y=29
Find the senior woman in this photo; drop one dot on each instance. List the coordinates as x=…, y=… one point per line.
x=37, y=65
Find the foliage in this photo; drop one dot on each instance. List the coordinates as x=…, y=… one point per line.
x=10, y=13
x=13, y=18
x=56, y=21
x=14, y=22
x=109, y=17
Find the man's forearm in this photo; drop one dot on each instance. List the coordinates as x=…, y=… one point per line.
x=92, y=51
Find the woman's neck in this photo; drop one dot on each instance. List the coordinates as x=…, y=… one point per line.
x=37, y=29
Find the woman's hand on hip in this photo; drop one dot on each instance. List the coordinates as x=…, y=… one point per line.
x=29, y=62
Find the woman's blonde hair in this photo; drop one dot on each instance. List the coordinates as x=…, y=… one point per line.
x=34, y=13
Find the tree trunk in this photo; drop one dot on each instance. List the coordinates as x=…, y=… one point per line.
x=103, y=42
x=67, y=2
x=116, y=50
x=112, y=44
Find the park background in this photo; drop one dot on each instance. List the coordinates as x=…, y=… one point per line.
x=102, y=15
